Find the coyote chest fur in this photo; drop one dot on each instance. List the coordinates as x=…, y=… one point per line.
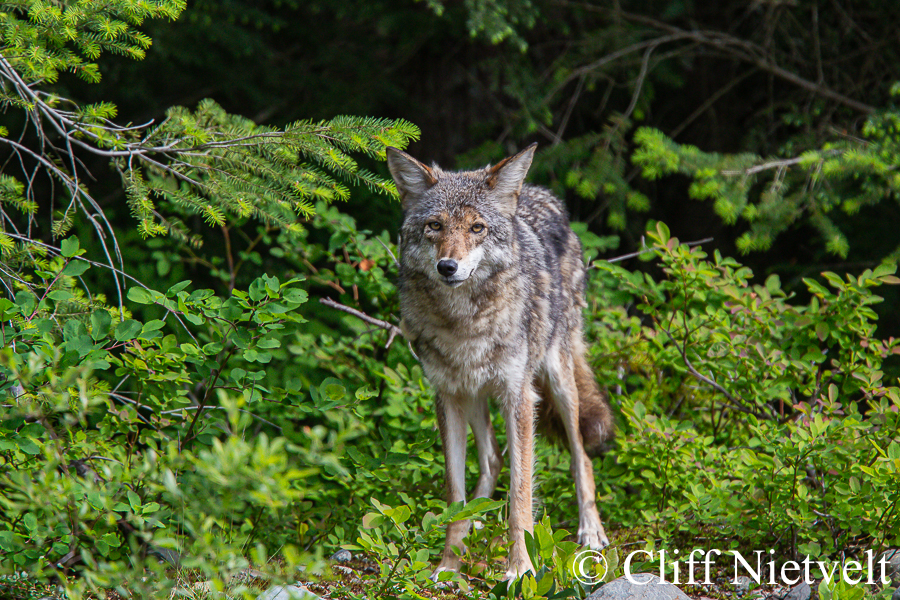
x=491, y=292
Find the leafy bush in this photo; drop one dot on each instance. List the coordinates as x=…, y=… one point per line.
x=170, y=397
x=772, y=424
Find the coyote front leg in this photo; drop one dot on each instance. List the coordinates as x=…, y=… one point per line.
x=520, y=444
x=489, y=461
x=452, y=425
x=453, y=435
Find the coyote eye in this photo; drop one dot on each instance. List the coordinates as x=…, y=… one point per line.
x=434, y=226
x=477, y=228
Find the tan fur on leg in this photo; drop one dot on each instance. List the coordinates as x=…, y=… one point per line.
x=520, y=443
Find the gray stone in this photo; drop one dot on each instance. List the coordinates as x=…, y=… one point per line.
x=896, y=595
x=342, y=556
x=248, y=575
x=742, y=585
x=892, y=570
x=646, y=586
x=776, y=593
x=800, y=592
x=202, y=587
x=287, y=592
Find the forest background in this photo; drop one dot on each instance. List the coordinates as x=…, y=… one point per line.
x=179, y=191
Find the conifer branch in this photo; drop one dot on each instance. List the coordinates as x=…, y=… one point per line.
x=777, y=164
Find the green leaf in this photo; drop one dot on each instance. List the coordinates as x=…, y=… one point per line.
x=140, y=295
x=531, y=546
x=544, y=539
x=177, y=288
x=8, y=308
x=477, y=506
x=127, y=330
x=399, y=514
x=60, y=295
x=662, y=230
x=76, y=268
x=134, y=501
x=28, y=446
x=372, y=520
x=257, y=290
x=893, y=451
x=154, y=325
x=26, y=301
x=295, y=295
x=100, y=321
x=364, y=393
x=69, y=247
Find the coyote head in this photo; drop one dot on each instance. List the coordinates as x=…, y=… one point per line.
x=454, y=222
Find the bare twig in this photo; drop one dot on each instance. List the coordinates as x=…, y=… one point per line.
x=639, y=252
x=612, y=57
x=389, y=327
x=707, y=104
x=385, y=246
x=246, y=412
x=639, y=84
x=565, y=120
x=730, y=45
x=733, y=402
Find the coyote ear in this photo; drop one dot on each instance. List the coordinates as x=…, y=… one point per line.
x=412, y=177
x=506, y=177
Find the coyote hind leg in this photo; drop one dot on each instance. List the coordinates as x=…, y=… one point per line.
x=563, y=390
x=520, y=446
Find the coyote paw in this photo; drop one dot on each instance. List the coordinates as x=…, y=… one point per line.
x=517, y=571
x=441, y=568
x=595, y=539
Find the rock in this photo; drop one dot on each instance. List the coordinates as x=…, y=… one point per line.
x=287, y=592
x=777, y=593
x=646, y=587
x=345, y=570
x=742, y=585
x=892, y=570
x=248, y=575
x=342, y=556
x=202, y=587
x=896, y=595
x=800, y=592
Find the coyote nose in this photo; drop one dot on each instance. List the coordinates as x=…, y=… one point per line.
x=447, y=267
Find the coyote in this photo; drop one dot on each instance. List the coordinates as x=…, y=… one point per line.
x=491, y=292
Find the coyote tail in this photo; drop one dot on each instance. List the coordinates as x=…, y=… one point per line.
x=595, y=419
